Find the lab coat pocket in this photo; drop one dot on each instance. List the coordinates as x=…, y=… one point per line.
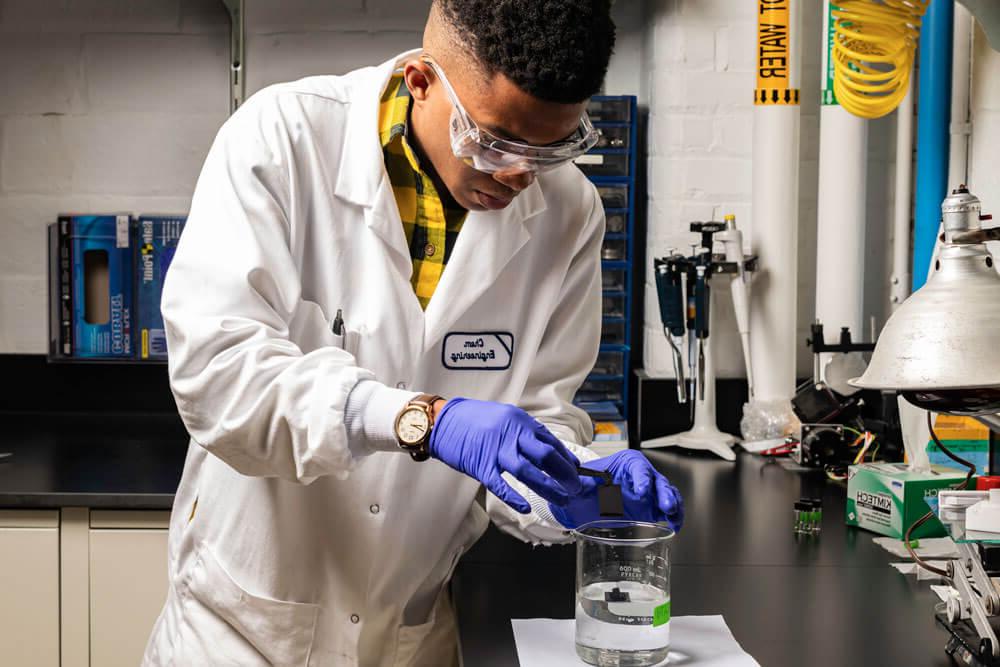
x=433, y=643
x=347, y=341
x=352, y=341
x=282, y=632
x=409, y=640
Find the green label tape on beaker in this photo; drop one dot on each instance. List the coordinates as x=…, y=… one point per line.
x=661, y=615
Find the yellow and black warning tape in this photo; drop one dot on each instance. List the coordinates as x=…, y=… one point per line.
x=776, y=96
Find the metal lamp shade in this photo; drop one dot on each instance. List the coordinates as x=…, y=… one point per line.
x=941, y=348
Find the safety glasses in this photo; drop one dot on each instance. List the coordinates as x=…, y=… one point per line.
x=489, y=153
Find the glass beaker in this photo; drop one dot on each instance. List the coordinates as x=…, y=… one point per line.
x=622, y=593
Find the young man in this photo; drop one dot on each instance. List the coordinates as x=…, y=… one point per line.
x=412, y=227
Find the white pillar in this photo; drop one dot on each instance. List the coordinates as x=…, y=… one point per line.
x=961, y=66
x=899, y=287
x=841, y=211
x=774, y=231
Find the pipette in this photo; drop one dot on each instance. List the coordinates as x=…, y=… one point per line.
x=670, y=291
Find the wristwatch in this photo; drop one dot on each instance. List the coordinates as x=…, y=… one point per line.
x=413, y=426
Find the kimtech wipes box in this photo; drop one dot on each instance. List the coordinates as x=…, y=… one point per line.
x=886, y=498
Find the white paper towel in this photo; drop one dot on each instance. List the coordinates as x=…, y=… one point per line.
x=928, y=547
x=695, y=641
x=922, y=574
x=913, y=423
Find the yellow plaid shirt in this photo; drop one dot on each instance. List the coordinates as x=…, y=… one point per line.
x=431, y=228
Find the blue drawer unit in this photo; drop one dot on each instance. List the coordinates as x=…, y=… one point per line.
x=611, y=166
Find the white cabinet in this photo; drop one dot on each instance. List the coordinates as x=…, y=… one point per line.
x=128, y=584
x=29, y=588
x=80, y=587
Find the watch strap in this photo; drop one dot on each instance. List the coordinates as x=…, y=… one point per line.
x=425, y=400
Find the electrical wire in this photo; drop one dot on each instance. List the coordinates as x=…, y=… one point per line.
x=964, y=484
x=869, y=438
x=873, y=50
x=834, y=476
x=962, y=462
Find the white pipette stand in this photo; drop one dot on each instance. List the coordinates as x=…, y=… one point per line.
x=704, y=434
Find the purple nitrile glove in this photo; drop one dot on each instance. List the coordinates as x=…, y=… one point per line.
x=484, y=440
x=646, y=494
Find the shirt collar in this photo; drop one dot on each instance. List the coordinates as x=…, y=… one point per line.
x=394, y=116
x=369, y=187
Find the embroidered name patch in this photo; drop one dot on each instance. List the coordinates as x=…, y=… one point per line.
x=480, y=351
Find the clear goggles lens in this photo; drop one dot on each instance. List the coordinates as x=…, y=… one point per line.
x=491, y=154
x=486, y=152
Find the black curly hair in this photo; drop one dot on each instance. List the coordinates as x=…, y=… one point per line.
x=555, y=50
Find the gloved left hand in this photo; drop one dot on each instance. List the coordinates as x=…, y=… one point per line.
x=646, y=494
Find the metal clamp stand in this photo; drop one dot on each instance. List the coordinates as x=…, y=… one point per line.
x=976, y=604
x=844, y=346
x=979, y=606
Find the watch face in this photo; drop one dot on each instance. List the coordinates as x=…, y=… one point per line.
x=413, y=426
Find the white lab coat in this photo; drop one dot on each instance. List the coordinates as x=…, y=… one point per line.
x=291, y=544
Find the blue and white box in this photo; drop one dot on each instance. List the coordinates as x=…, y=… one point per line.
x=156, y=242
x=101, y=289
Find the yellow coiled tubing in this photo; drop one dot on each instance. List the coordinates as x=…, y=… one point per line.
x=873, y=49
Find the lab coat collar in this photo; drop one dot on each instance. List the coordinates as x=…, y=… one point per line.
x=369, y=185
x=488, y=241
x=360, y=184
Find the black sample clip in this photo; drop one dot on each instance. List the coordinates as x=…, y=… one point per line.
x=617, y=595
x=609, y=494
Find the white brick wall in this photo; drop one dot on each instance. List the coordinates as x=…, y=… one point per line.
x=172, y=74
x=699, y=62
x=40, y=74
x=984, y=177
x=276, y=57
x=106, y=105
x=142, y=153
x=82, y=16
x=110, y=105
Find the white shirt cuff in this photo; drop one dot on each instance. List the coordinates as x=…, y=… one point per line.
x=370, y=416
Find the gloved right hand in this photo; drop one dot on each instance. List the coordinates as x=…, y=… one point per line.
x=646, y=494
x=484, y=440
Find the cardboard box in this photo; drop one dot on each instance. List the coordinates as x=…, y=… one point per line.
x=60, y=296
x=886, y=498
x=964, y=437
x=100, y=258
x=155, y=244
x=610, y=437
